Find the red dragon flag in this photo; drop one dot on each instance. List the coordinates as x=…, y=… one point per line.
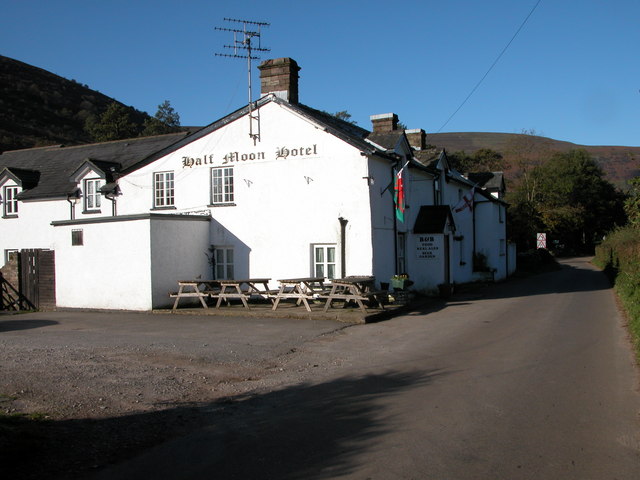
x=465, y=202
x=398, y=195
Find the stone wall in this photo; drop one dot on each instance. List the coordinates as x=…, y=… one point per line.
x=10, y=270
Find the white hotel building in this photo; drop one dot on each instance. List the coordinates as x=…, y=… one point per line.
x=275, y=190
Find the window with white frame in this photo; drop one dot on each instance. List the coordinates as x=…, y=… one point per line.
x=461, y=251
x=224, y=263
x=437, y=194
x=10, y=201
x=222, y=185
x=503, y=245
x=92, y=194
x=163, y=190
x=324, y=261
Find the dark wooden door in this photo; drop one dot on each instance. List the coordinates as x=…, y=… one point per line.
x=37, y=277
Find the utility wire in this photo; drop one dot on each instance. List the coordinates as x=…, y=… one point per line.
x=491, y=67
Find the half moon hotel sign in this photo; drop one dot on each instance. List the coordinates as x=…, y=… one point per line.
x=240, y=157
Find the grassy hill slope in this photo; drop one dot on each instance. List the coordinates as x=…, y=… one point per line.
x=38, y=107
x=619, y=163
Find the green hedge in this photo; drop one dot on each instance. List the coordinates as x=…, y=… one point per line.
x=619, y=256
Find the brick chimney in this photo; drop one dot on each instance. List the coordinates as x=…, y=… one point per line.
x=417, y=138
x=385, y=122
x=280, y=76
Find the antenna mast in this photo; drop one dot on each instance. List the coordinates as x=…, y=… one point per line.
x=243, y=48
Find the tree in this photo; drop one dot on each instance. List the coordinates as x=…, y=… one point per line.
x=576, y=204
x=166, y=120
x=342, y=115
x=114, y=124
x=483, y=160
x=632, y=203
x=527, y=152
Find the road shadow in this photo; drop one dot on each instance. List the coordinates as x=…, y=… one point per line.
x=574, y=275
x=571, y=275
x=303, y=431
x=24, y=324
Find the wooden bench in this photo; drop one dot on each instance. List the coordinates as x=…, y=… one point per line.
x=354, y=289
x=191, y=289
x=299, y=289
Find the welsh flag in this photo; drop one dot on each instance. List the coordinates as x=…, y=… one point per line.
x=398, y=195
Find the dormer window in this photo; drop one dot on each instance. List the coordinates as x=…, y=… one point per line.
x=10, y=201
x=92, y=194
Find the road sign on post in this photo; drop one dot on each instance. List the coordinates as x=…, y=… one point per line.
x=541, y=240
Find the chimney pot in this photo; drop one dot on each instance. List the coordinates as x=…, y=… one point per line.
x=280, y=77
x=385, y=122
x=417, y=138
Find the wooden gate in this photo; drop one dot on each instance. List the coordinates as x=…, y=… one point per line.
x=37, y=277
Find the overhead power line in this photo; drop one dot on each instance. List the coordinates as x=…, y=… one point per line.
x=491, y=67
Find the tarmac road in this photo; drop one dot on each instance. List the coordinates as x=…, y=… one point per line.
x=531, y=379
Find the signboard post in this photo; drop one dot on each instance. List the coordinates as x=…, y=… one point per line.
x=541, y=240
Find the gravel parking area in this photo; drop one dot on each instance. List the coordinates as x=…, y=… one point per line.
x=106, y=385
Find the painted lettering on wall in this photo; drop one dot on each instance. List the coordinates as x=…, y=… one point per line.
x=427, y=247
x=188, y=162
x=239, y=157
x=284, y=152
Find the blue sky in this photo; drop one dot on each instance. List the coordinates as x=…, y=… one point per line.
x=572, y=73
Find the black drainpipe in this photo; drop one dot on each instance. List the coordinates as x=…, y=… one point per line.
x=343, y=246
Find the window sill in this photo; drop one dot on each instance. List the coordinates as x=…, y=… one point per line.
x=10, y=216
x=171, y=207
x=91, y=212
x=215, y=205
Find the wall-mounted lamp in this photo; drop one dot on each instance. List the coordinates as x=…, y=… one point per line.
x=308, y=179
x=73, y=198
x=248, y=182
x=370, y=180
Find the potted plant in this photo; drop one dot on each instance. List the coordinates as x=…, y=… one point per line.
x=401, y=281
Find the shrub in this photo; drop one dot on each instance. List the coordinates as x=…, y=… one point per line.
x=619, y=256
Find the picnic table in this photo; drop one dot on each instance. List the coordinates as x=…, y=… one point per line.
x=200, y=289
x=242, y=289
x=302, y=289
x=354, y=289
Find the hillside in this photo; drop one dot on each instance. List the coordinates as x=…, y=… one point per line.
x=619, y=163
x=38, y=107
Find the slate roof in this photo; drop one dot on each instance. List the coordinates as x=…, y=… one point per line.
x=489, y=180
x=348, y=132
x=388, y=140
x=56, y=164
x=27, y=178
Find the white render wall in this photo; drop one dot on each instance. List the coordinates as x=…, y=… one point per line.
x=111, y=270
x=178, y=252
x=128, y=263
x=32, y=227
x=489, y=231
x=282, y=206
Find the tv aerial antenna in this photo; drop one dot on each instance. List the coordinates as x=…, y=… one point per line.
x=243, y=47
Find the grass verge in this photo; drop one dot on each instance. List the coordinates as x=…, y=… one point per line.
x=619, y=257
